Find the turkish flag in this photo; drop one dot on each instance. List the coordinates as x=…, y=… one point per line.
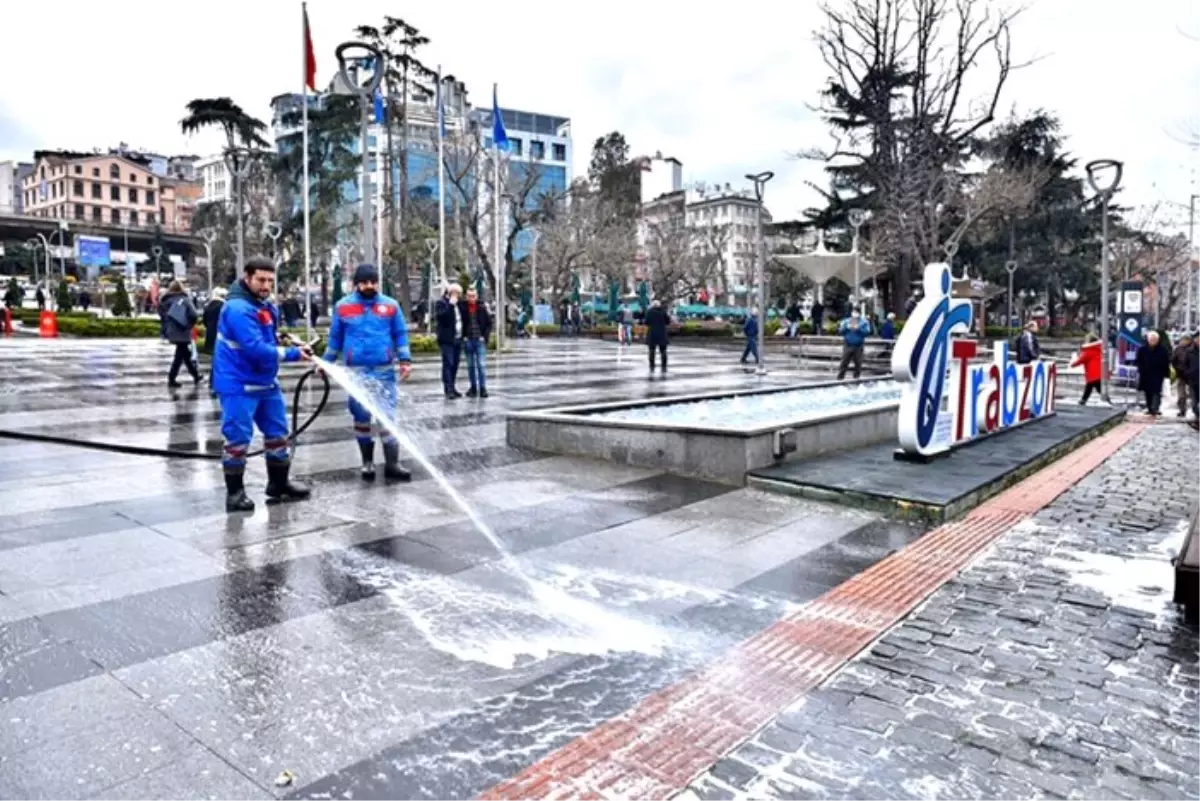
x=310, y=57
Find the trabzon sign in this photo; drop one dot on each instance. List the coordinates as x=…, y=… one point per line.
x=982, y=398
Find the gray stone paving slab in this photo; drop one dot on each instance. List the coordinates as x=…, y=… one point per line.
x=1055, y=666
x=874, y=472
x=371, y=621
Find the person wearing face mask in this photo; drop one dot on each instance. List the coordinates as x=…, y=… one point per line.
x=370, y=334
x=854, y=331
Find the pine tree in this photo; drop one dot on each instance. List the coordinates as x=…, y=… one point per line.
x=121, y=305
x=62, y=297
x=336, y=293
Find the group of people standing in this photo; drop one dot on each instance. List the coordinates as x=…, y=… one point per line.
x=463, y=327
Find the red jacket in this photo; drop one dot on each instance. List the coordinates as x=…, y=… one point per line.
x=1089, y=357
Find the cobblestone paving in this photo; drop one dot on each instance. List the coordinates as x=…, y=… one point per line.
x=1056, y=666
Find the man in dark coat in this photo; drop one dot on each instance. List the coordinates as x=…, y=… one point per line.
x=1179, y=359
x=449, y=315
x=1154, y=365
x=1191, y=374
x=179, y=316
x=657, y=321
x=1028, y=348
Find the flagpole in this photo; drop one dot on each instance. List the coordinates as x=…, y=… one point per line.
x=308, y=332
x=501, y=312
x=379, y=210
x=441, y=149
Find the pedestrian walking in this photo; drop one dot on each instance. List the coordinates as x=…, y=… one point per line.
x=657, y=321
x=750, y=330
x=1091, y=359
x=854, y=332
x=1029, y=349
x=179, y=317
x=1179, y=357
x=1153, y=362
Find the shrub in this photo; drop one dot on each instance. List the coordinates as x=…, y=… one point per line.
x=62, y=297
x=121, y=305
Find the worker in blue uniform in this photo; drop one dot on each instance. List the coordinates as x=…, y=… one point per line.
x=370, y=335
x=245, y=374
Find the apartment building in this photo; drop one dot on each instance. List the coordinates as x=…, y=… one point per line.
x=100, y=188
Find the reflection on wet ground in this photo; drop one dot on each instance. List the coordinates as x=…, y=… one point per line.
x=368, y=641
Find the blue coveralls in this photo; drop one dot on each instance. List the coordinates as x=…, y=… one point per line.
x=245, y=376
x=371, y=336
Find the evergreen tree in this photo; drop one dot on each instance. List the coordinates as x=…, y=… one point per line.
x=336, y=293
x=62, y=297
x=121, y=305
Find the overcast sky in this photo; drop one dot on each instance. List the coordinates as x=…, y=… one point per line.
x=726, y=93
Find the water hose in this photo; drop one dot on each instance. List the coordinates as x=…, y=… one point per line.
x=137, y=450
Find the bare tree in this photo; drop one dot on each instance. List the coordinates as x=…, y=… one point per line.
x=1005, y=192
x=1145, y=247
x=900, y=103
x=469, y=175
x=713, y=241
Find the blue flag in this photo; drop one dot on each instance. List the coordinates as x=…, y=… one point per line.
x=499, y=136
x=378, y=106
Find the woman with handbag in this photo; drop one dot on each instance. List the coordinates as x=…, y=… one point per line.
x=179, y=316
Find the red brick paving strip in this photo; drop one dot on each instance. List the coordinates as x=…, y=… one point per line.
x=655, y=749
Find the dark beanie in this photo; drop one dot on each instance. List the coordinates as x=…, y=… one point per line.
x=255, y=263
x=366, y=272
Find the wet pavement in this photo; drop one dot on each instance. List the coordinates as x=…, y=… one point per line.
x=370, y=641
x=1056, y=666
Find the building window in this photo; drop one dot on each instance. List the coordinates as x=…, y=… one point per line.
x=114, y=193
x=516, y=145
x=133, y=177
x=116, y=216
x=43, y=173
x=97, y=213
x=133, y=218
x=95, y=172
x=150, y=179
x=149, y=198
x=78, y=169
x=559, y=152
x=132, y=195
x=78, y=188
x=79, y=211
x=114, y=172
x=537, y=150
x=96, y=192
x=149, y=218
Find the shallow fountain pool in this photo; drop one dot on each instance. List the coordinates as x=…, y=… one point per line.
x=742, y=412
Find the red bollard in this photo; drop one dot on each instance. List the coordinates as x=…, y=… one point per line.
x=48, y=324
x=8, y=324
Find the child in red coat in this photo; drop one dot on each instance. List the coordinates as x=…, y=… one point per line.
x=1090, y=357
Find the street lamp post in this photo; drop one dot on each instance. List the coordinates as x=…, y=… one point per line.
x=760, y=182
x=1096, y=177
x=349, y=68
x=1189, y=317
x=237, y=161
x=274, y=231
x=156, y=251
x=857, y=218
x=1011, y=267
x=209, y=236
x=432, y=245
x=533, y=286
x=33, y=244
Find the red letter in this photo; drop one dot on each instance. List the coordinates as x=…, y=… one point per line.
x=962, y=351
x=991, y=411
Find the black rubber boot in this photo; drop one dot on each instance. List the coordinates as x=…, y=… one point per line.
x=279, y=488
x=392, y=471
x=236, y=499
x=367, y=449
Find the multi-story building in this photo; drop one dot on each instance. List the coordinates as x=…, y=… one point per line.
x=12, y=174
x=724, y=225
x=188, y=197
x=214, y=179
x=538, y=158
x=103, y=188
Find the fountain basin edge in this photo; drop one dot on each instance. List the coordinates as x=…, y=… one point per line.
x=724, y=454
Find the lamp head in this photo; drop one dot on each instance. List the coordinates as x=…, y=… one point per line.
x=1104, y=175
x=857, y=217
